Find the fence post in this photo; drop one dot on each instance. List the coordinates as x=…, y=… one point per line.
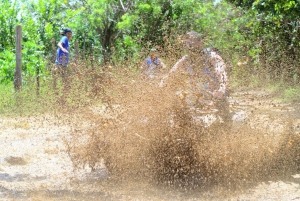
x=92, y=58
x=76, y=51
x=38, y=82
x=84, y=53
x=53, y=49
x=18, y=71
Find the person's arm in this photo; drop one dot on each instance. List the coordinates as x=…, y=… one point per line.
x=60, y=45
x=162, y=64
x=144, y=66
x=179, y=64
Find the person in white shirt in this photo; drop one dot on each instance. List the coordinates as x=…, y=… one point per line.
x=209, y=61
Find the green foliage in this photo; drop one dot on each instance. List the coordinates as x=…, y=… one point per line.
x=8, y=20
x=7, y=66
x=41, y=22
x=33, y=59
x=112, y=30
x=281, y=18
x=292, y=93
x=273, y=29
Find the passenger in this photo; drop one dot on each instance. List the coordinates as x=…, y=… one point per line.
x=153, y=65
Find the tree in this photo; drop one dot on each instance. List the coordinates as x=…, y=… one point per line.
x=8, y=20
x=275, y=24
x=117, y=23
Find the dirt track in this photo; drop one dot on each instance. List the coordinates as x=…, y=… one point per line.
x=34, y=164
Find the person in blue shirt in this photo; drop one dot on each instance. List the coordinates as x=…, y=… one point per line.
x=62, y=57
x=153, y=65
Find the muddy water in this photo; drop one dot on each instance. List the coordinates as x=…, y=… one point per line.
x=255, y=157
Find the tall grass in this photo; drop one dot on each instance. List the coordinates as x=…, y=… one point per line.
x=84, y=87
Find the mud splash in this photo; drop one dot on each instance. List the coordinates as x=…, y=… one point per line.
x=148, y=134
x=140, y=142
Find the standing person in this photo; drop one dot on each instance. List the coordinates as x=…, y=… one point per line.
x=62, y=56
x=152, y=65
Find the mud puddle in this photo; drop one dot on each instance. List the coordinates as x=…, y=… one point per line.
x=35, y=164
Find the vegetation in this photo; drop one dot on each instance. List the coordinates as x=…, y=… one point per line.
x=273, y=29
x=262, y=34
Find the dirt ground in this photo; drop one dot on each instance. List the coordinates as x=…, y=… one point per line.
x=35, y=165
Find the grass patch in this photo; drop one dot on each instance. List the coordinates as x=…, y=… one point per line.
x=280, y=91
x=26, y=101
x=80, y=90
x=292, y=94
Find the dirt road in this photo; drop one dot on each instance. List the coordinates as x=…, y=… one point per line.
x=34, y=163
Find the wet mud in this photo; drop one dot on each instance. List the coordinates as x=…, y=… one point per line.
x=146, y=145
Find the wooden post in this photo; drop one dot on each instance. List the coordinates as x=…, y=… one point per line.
x=38, y=75
x=53, y=49
x=296, y=77
x=92, y=58
x=38, y=80
x=76, y=51
x=265, y=68
x=84, y=54
x=18, y=71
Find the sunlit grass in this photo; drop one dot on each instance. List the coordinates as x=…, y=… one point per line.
x=24, y=102
x=280, y=91
x=84, y=88
x=292, y=93
x=27, y=101
x=283, y=92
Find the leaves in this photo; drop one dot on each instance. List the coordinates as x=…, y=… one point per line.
x=112, y=30
x=7, y=63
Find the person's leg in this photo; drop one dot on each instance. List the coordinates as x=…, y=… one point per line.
x=54, y=71
x=66, y=82
x=222, y=105
x=65, y=77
